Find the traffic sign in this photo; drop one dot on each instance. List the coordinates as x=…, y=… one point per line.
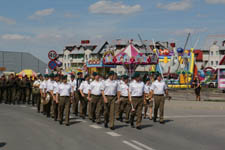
x=52, y=55
x=52, y=65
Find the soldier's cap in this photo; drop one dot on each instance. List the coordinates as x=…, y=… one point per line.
x=111, y=73
x=136, y=75
x=86, y=76
x=46, y=75
x=147, y=79
x=72, y=76
x=125, y=77
x=158, y=75
x=64, y=77
x=79, y=73
x=94, y=74
x=40, y=75
x=51, y=75
x=56, y=75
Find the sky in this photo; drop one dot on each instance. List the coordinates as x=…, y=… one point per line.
x=38, y=26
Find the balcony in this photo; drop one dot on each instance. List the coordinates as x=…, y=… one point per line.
x=77, y=60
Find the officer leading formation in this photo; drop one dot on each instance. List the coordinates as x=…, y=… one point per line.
x=90, y=97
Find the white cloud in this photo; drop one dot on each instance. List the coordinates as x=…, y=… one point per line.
x=7, y=20
x=109, y=7
x=70, y=15
x=41, y=13
x=176, y=6
x=14, y=37
x=215, y=1
x=189, y=30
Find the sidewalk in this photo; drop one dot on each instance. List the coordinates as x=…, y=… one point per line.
x=189, y=94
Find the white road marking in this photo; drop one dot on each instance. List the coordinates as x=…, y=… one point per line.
x=33, y=108
x=23, y=106
x=197, y=116
x=142, y=145
x=132, y=145
x=95, y=126
x=113, y=133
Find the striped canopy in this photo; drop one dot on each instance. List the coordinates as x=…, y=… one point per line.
x=130, y=51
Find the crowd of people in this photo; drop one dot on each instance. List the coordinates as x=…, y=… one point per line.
x=90, y=96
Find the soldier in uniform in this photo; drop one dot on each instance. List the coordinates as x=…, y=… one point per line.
x=27, y=89
x=1, y=89
x=136, y=92
x=55, y=97
x=18, y=90
x=49, y=96
x=122, y=96
x=159, y=89
x=95, y=97
x=73, y=84
x=36, y=93
x=109, y=91
x=43, y=94
x=77, y=95
x=148, y=103
x=84, y=88
x=14, y=90
x=65, y=98
x=22, y=85
x=9, y=88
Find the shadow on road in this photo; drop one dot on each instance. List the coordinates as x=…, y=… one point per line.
x=2, y=144
x=120, y=126
x=74, y=122
x=168, y=120
x=146, y=126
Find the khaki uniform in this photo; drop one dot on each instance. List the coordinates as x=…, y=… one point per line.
x=28, y=91
x=64, y=106
x=22, y=85
x=125, y=107
x=1, y=90
x=109, y=109
x=64, y=92
x=159, y=88
x=137, y=90
x=96, y=107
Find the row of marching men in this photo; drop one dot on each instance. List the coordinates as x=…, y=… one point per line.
x=97, y=96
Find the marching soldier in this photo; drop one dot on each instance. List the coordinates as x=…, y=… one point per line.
x=84, y=88
x=42, y=88
x=49, y=96
x=136, y=91
x=22, y=85
x=159, y=89
x=9, y=87
x=64, y=93
x=55, y=97
x=148, y=103
x=95, y=97
x=14, y=90
x=36, y=93
x=77, y=95
x=122, y=96
x=1, y=88
x=27, y=90
x=109, y=91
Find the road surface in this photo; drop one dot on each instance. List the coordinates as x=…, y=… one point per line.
x=189, y=125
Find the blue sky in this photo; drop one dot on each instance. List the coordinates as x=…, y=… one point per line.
x=37, y=26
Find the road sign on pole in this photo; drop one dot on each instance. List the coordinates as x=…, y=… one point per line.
x=52, y=55
x=52, y=65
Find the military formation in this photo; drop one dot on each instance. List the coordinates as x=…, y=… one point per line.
x=89, y=96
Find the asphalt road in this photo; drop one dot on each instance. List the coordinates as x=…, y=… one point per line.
x=189, y=125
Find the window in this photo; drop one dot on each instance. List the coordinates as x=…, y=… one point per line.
x=211, y=63
x=217, y=53
x=211, y=53
x=217, y=63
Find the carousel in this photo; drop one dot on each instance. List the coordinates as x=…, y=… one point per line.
x=130, y=58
